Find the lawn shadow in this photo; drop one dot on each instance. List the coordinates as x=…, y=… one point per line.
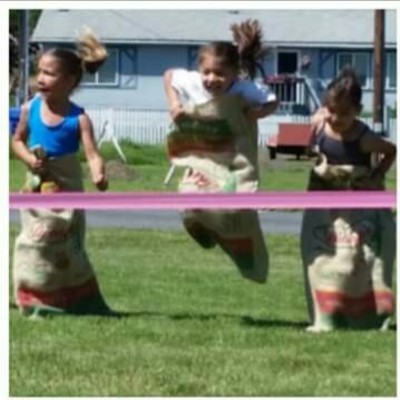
x=273, y=323
x=105, y=312
x=393, y=326
x=243, y=319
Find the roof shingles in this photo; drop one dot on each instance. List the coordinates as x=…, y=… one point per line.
x=281, y=27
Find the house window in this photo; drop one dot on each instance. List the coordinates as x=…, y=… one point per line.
x=391, y=78
x=128, y=68
x=107, y=74
x=192, y=57
x=360, y=62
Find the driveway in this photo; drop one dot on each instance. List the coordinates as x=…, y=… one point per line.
x=271, y=221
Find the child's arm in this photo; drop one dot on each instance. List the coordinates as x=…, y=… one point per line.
x=174, y=104
x=261, y=101
x=95, y=161
x=317, y=122
x=372, y=143
x=18, y=143
x=319, y=117
x=263, y=110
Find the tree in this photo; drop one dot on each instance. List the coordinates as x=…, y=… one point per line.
x=15, y=49
x=15, y=17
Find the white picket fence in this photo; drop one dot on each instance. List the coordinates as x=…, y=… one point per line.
x=152, y=126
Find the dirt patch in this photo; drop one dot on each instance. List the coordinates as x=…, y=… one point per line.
x=282, y=161
x=116, y=169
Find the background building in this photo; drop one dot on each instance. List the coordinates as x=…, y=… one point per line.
x=311, y=44
x=143, y=44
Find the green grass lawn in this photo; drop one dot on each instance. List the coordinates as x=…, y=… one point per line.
x=150, y=166
x=194, y=327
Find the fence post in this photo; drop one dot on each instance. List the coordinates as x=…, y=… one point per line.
x=113, y=137
x=108, y=133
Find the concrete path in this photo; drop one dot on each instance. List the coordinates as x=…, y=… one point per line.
x=271, y=221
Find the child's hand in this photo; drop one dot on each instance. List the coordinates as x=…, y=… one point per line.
x=97, y=170
x=177, y=112
x=377, y=177
x=101, y=182
x=250, y=112
x=35, y=164
x=320, y=117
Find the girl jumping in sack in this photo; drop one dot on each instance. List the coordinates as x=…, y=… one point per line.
x=348, y=254
x=51, y=270
x=214, y=137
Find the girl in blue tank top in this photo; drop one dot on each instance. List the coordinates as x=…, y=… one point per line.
x=50, y=120
x=56, y=140
x=51, y=269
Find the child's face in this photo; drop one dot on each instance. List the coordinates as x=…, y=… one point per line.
x=217, y=77
x=52, y=81
x=341, y=116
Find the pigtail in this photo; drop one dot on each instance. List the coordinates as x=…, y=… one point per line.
x=91, y=52
x=89, y=56
x=247, y=36
x=348, y=72
x=345, y=87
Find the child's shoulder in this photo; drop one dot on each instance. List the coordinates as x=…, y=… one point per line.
x=26, y=107
x=362, y=126
x=76, y=109
x=252, y=91
x=186, y=71
x=185, y=74
x=245, y=83
x=318, y=120
x=187, y=81
x=363, y=130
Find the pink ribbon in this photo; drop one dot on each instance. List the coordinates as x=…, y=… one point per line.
x=178, y=201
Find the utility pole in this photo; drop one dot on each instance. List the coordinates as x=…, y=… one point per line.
x=379, y=64
x=24, y=57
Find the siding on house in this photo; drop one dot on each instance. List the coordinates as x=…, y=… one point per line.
x=148, y=91
x=149, y=42
x=146, y=88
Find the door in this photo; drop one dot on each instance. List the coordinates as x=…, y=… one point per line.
x=287, y=62
x=288, y=65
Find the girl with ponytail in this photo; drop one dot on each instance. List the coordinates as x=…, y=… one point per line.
x=222, y=157
x=224, y=68
x=51, y=269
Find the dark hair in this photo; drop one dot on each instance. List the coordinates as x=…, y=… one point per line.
x=345, y=87
x=90, y=54
x=244, y=54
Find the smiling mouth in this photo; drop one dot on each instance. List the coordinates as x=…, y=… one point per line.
x=213, y=88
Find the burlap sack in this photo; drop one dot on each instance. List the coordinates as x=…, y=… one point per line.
x=51, y=270
x=348, y=256
x=217, y=146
